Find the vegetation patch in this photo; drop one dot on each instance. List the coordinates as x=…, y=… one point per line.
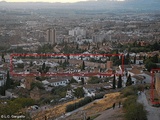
x=83, y=102
x=133, y=109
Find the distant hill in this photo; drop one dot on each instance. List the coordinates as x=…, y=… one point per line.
x=88, y=5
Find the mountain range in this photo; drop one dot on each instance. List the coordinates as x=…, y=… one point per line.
x=153, y=5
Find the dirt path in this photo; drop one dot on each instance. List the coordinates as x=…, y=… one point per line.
x=110, y=114
x=95, y=108
x=153, y=112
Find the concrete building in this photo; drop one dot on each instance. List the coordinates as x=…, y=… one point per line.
x=77, y=32
x=109, y=64
x=51, y=36
x=59, y=81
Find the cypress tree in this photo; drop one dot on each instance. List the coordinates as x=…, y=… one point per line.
x=43, y=66
x=129, y=81
x=2, y=90
x=83, y=66
x=8, y=81
x=114, y=82
x=120, y=81
x=134, y=59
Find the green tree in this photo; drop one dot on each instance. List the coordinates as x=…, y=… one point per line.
x=115, y=59
x=94, y=80
x=31, y=64
x=73, y=81
x=2, y=90
x=134, y=59
x=155, y=46
x=150, y=65
x=8, y=81
x=79, y=92
x=77, y=47
x=3, y=57
x=60, y=90
x=120, y=81
x=68, y=57
x=136, y=111
x=13, y=106
x=43, y=66
x=37, y=84
x=129, y=81
x=43, y=69
x=82, y=81
x=127, y=59
x=154, y=59
x=83, y=66
x=114, y=82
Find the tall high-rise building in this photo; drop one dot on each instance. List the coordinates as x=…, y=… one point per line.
x=77, y=32
x=51, y=36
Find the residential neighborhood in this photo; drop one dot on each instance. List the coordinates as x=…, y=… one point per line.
x=79, y=64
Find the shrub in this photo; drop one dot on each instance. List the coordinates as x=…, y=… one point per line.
x=98, y=96
x=83, y=102
x=70, y=107
x=131, y=90
x=76, y=105
x=94, y=80
x=131, y=99
x=136, y=111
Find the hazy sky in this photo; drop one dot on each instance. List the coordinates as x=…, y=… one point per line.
x=44, y=0
x=48, y=0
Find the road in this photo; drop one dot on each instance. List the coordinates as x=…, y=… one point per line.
x=153, y=112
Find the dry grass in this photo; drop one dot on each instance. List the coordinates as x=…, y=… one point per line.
x=90, y=109
x=95, y=108
x=53, y=112
x=103, y=104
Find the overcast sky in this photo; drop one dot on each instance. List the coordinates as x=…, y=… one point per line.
x=63, y=1
x=44, y=0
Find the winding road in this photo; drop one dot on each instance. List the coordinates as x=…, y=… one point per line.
x=153, y=112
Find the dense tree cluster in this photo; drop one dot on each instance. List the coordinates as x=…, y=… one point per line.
x=43, y=69
x=134, y=110
x=150, y=63
x=60, y=91
x=37, y=84
x=47, y=48
x=136, y=47
x=10, y=107
x=79, y=92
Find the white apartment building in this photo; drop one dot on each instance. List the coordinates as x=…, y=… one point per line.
x=77, y=32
